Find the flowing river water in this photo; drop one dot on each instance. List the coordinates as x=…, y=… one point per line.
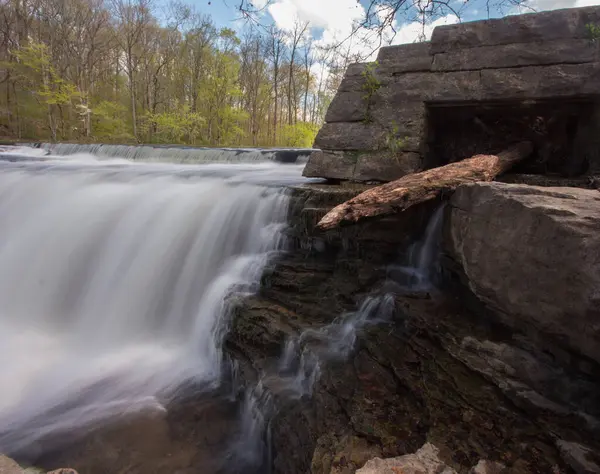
x=114, y=282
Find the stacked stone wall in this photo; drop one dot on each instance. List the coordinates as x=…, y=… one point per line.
x=377, y=127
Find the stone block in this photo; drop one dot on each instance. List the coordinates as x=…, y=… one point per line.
x=330, y=164
x=528, y=28
x=352, y=84
x=570, y=51
x=533, y=255
x=407, y=119
x=404, y=58
x=385, y=166
x=539, y=82
x=423, y=86
x=361, y=165
x=350, y=136
x=356, y=69
x=347, y=107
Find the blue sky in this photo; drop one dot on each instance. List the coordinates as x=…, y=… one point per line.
x=333, y=19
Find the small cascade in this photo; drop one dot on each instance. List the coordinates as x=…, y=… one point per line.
x=177, y=154
x=420, y=272
x=302, y=357
x=252, y=447
x=299, y=368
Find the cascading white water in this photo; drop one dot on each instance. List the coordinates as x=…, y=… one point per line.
x=422, y=255
x=114, y=281
x=177, y=154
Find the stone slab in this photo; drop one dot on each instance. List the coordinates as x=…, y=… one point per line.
x=329, y=164
x=356, y=69
x=404, y=58
x=424, y=86
x=541, y=82
x=407, y=119
x=533, y=255
x=347, y=107
x=350, y=136
x=528, y=28
x=362, y=165
x=385, y=166
x=511, y=55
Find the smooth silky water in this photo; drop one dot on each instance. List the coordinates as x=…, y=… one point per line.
x=114, y=280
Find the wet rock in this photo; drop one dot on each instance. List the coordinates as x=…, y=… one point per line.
x=488, y=467
x=581, y=458
x=9, y=466
x=437, y=371
x=425, y=461
x=532, y=254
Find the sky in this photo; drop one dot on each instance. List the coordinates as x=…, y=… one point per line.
x=332, y=20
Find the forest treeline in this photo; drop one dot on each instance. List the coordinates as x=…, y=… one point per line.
x=129, y=71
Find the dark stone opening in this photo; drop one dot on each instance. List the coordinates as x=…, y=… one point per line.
x=564, y=133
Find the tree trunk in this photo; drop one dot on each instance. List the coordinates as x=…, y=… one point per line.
x=399, y=195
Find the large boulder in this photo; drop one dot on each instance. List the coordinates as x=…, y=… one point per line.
x=532, y=255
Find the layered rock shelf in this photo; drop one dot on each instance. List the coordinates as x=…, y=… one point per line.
x=487, y=83
x=496, y=369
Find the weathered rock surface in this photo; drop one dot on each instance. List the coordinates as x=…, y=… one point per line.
x=533, y=255
x=363, y=165
x=425, y=461
x=579, y=457
x=528, y=28
x=9, y=466
x=562, y=51
x=438, y=372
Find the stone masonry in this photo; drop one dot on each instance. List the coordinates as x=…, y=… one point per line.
x=376, y=126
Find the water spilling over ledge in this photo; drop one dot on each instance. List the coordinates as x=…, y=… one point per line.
x=178, y=154
x=114, y=283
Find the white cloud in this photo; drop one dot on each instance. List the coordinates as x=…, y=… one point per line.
x=334, y=15
x=541, y=5
x=338, y=20
x=416, y=31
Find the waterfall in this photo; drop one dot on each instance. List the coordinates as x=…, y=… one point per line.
x=419, y=273
x=114, y=283
x=302, y=356
x=177, y=154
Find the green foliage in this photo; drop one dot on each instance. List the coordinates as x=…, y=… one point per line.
x=593, y=30
x=300, y=135
x=34, y=67
x=177, y=126
x=370, y=87
x=109, y=122
x=393, y=142
x=85, y=71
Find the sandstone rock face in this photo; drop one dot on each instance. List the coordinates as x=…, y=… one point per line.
x=532, y=254
x=8, y=466
x=424, y=461
x=548, y=56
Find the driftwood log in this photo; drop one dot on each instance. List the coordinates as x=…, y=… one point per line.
x=399, y=195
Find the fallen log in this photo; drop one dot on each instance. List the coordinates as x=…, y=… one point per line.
x=399, y=195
